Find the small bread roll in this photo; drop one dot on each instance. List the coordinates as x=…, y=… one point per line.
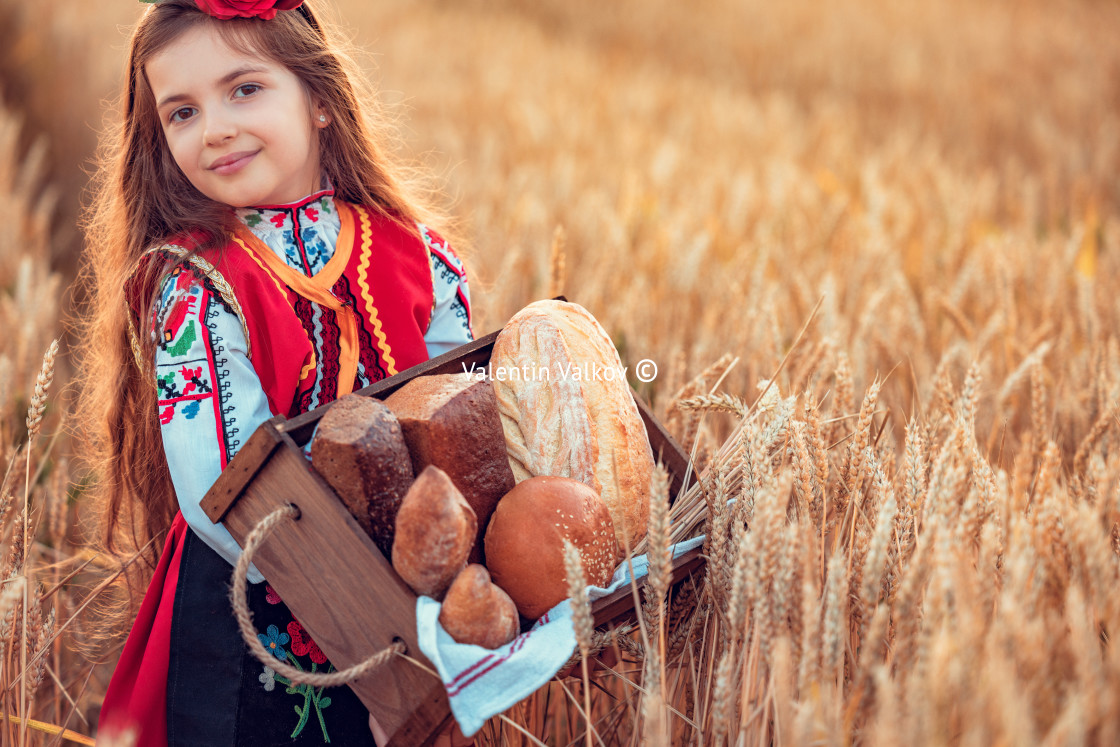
x=525, y=541
x=435, y=531
x=476, y=611
x=567, y=409
x=360, y=451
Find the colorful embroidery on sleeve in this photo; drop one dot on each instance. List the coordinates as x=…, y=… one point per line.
x=450, y=323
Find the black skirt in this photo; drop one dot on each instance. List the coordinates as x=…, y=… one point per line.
x=219, y=694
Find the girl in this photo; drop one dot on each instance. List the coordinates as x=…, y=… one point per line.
x=252, y=252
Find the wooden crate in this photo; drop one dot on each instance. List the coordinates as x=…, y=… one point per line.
x=335, y=580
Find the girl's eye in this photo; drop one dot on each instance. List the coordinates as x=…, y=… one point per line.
x=246, y=89
x=180, y=115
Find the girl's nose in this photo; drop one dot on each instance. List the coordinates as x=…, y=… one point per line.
x=219, y=128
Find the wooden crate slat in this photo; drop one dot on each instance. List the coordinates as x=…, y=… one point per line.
x=241, y=470
x=665, y=448
x=302, y=426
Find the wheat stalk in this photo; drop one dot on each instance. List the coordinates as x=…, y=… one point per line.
x=581, y=621
x=557, y=263
x=39, y=398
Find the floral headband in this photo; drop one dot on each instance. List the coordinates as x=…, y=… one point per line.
x=226, y=9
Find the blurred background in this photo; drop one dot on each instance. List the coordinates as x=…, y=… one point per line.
x=941, y=176
x=598, y=116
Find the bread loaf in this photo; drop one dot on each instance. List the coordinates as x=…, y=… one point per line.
x=525, y=541
x=451, y=421
x=478, y=612
x=566, y=409
x=435, y=530
x=360, y=451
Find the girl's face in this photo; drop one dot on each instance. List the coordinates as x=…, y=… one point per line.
x=241, y=128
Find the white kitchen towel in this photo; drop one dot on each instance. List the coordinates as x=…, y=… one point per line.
x=481, y=682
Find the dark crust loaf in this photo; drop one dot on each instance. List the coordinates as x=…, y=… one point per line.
x=435, y=532
x=452, y=421
x=360, y=450
x=478, y=612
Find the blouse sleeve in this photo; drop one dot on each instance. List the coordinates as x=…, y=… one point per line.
x=450, y=324
x=210, y=399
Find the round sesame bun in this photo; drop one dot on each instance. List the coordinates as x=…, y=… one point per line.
x=525, y=541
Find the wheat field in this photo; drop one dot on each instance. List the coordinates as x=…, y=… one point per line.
x=872, y=248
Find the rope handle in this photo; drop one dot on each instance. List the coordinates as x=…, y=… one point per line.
x=245, y=618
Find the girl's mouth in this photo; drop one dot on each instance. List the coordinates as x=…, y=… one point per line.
x=233, y=163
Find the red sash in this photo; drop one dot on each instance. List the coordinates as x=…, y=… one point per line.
x=376, y=293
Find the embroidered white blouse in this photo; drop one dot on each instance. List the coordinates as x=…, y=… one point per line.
x=210, y=399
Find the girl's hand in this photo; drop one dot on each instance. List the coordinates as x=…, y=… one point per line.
x=452, y=736
x=379, y=735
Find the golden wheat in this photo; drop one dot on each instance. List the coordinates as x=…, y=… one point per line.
x=924, y=537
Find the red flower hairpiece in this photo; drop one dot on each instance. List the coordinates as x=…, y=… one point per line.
x=226, y=9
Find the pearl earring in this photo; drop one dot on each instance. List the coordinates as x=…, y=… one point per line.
x=322, y=117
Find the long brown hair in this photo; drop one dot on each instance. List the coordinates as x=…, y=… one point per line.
x=140, y=199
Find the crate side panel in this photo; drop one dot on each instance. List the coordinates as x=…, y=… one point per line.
x=341, y=588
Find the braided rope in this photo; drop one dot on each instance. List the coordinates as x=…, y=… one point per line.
x=225, y=290
x=245, y=618
x=134, y=341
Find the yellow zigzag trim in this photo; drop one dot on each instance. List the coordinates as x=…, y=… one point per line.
x=310, y=365
x=371, y=310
